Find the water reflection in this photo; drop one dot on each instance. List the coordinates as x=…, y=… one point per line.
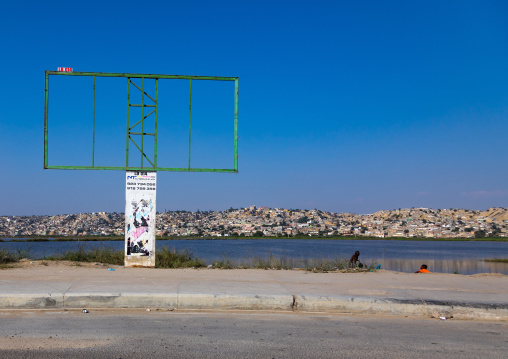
x=460, y=266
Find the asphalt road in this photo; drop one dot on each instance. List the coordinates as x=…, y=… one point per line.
x=173, y=334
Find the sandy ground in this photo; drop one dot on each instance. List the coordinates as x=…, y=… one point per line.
x=28, y=263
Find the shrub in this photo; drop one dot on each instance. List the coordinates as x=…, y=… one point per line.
x=99, y=254
x=7, y=257
x=167, y=258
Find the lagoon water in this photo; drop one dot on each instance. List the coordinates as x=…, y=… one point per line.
x=403, y=256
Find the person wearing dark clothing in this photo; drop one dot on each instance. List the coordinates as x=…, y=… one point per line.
x=354, y=261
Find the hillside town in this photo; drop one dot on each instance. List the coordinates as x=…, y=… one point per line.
x=274, y=222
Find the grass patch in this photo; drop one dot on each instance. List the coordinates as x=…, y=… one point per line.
x=272, y=262
x=327, y=265
x=337, y=264
x=225, y=263
x=500, y=260
x=171, y=258
x=99, y=254
x=167, y=258
x=8, y=258
x=312, y=265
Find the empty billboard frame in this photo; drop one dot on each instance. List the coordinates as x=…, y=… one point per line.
x=135, y=127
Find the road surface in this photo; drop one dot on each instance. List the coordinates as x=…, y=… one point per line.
x=175, y=334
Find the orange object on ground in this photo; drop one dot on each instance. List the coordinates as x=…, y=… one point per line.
x=423, y=271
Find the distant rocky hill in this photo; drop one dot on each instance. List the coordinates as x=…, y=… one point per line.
x=496, y=214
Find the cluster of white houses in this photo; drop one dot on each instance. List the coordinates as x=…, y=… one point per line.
x=264, y=221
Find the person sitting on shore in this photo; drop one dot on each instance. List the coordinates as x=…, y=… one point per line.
x=354, y=261
x=423, y=269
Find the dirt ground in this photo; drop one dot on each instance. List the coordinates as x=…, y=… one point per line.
x=28, y=263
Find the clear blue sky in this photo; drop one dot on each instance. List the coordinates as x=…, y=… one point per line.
x=344, y=106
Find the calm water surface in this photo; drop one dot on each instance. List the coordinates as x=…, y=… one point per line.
x=404, y=256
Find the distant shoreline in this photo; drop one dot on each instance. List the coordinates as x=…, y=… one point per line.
x=190, y=238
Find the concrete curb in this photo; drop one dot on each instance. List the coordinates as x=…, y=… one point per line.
x=31, y=301
x=235, y=302
x=300, y=303
x=429, y=308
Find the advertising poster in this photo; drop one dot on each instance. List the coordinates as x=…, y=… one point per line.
x=140, y=193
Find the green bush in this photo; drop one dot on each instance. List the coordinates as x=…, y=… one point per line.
x=167, y=258
x=225, y=263
x=12, y=257
x=99, y=254
x=164, y=258
x=271, y=262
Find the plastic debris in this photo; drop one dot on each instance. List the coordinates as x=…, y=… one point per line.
x=378, y=266
x=31, y=262
x=111, y=269
x=85, y=311
x=442, y=318
x=148, y=310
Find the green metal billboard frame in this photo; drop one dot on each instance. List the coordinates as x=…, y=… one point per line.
x=132, y=129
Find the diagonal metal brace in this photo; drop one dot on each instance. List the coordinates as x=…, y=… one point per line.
x=150, y=97
x=140, y=150
x=144, y=118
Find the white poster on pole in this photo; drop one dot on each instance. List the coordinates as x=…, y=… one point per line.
x=140, y=194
